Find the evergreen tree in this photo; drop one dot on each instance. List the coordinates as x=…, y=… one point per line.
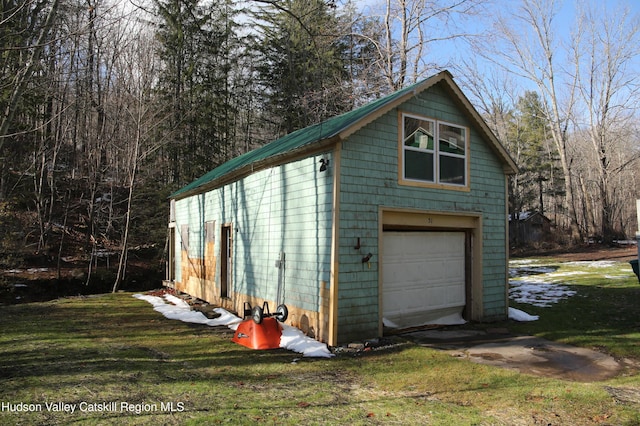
x=198, y=46
x=302, y=64
x=365, y=77
x=540, y=178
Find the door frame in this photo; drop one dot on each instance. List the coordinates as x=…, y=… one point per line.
x=171, y=260
x=226, y=260
x=397, y=219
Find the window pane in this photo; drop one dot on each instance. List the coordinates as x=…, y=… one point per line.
x=418, y=165
x=452, y=170
x=452, y=139
x=418, y=133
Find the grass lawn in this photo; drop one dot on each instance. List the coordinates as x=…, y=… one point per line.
x=114, y=360
x=604, y=313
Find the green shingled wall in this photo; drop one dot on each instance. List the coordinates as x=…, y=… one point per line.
x=282, y=209
x=369, y=179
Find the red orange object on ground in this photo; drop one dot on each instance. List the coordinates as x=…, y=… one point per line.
x=262, y=330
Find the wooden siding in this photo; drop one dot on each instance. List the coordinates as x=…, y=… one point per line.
x=369, y=179
x=281, y=211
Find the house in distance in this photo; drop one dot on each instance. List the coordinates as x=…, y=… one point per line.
x=393, y=214
x=529, y=227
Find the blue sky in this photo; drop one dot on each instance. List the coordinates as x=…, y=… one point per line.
x=564, y=22
x=568, y=10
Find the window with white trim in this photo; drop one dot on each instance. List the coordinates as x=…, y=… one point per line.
x=433, y=151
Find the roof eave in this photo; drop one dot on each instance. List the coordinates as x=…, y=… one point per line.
x=272, y=161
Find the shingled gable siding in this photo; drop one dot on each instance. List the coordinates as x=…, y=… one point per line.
x=285, y=209
x=369, y=178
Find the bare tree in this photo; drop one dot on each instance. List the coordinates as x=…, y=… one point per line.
x=42, y=19
x=411, y=28
x=139, y=68
x=525, y=44
x=25, y=33
x=587, y=83
x=494, y=92
x=605, y=56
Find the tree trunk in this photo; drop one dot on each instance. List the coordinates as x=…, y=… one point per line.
x=23, y=77
x=122, y=264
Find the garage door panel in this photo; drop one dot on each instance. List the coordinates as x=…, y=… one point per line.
x=423, y=276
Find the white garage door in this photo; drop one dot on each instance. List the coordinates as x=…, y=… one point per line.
x=423, y=276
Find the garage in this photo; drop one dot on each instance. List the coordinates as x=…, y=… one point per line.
x=369, y=236
x=423, y=276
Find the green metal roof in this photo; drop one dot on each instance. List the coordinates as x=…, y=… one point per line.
x=298, y=139
x=340, y=125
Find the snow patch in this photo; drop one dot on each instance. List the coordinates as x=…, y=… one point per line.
x=29, y=270
x=521, y=261
x=388, y=323
x=452, y=319
x=538, y=293
x=593, y=264
x=518, y=315
x=521, y=271
x=542, y=286
x=292, y=338
x=295, y=340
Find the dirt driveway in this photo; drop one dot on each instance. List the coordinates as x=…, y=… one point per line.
x=526, y=354
x=592, y=253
